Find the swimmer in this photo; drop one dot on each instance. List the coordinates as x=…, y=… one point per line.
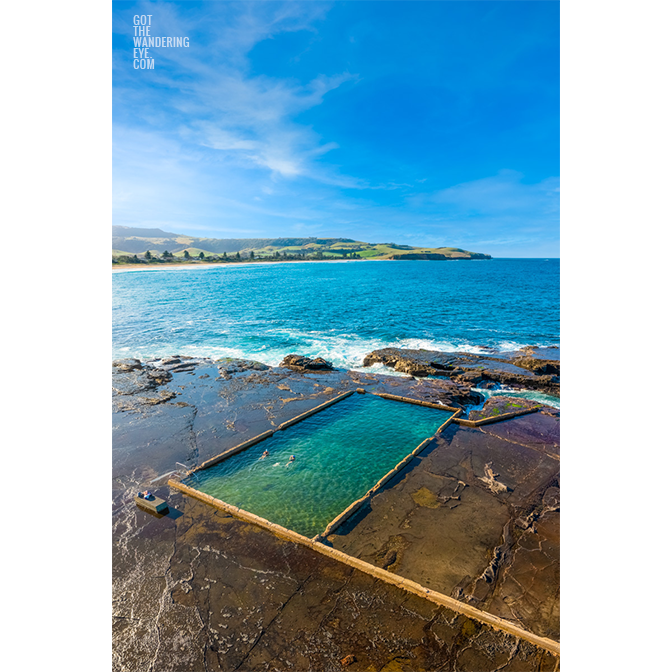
x=291, y=459
x=264, y=454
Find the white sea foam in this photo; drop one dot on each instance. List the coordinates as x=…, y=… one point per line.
x=345, y=351
x=348, y=350
x=380, y=368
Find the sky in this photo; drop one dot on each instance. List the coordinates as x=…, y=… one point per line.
x=420, y=123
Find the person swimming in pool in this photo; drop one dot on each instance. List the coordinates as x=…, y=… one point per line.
x=291, y=459
x=264, y=454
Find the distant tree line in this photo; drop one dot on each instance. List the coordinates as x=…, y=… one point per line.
x=169, y=257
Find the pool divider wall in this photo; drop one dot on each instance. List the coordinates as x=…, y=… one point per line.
x=236, y=449
x=376, y=572
x=356, y=505
x=417, y=402
x=229, y=452
x=447, y=422
x=496, y=418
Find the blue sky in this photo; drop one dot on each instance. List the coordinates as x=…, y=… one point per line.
x=421, y=123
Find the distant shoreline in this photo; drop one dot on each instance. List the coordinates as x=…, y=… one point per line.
x=205, y=264
x=196, y=264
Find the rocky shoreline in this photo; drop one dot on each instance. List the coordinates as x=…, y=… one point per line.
x=197, y=589
x=524, y=370
x=530, y=369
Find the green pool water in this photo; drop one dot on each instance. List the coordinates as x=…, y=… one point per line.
x=339, y=453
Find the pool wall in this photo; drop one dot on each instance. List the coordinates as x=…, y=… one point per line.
x=417, y=402
x=260, y=437
x=372, y=570
x=376, y=572
x=344, y=515
x=496, y=418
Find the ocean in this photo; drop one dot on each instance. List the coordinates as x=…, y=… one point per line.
x=337, y=310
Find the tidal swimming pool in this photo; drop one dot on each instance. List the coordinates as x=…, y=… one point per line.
x=340, y=452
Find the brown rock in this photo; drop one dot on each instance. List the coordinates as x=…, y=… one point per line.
x=302, y=363
x=539, y=366
x=127, y=364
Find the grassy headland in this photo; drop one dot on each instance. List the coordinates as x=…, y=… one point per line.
x=154, y=246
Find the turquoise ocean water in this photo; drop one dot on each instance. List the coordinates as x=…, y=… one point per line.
x=336, y=310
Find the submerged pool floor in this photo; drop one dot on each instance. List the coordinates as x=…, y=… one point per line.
x=339, y=453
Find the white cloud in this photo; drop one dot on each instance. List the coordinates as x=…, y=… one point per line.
x=215, y=103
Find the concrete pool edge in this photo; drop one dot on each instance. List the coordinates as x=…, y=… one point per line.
x=417, y=402
x=493, y=621
x=357, y=504
x=230, y=452
x=316, y=542
x=497, y=418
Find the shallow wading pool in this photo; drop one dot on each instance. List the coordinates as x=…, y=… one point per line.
x=340, y=453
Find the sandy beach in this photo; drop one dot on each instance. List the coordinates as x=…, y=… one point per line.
x=191, y=265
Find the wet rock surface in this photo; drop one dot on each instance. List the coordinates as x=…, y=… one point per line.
x=476, y=516
x=198, y=590
x=538, y=431
x=520, y=370
x=213, y=593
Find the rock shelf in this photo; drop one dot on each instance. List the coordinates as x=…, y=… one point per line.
x=200, y=589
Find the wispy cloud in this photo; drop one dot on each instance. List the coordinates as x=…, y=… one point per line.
x=218, y=105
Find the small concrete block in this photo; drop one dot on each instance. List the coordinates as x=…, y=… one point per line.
x=155, y=504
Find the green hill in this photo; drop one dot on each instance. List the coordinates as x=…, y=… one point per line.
x=134, y=240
